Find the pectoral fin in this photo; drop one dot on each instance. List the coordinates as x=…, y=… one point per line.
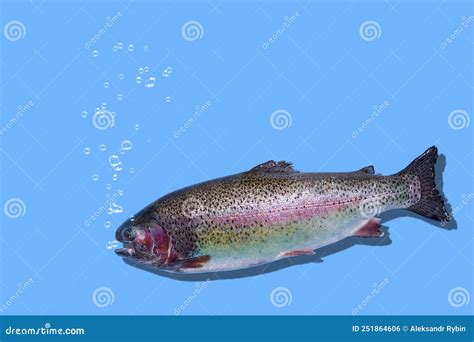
x=370, y=229
x=197, y=262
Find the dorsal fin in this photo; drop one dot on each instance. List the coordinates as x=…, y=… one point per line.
x=368, y=170
x=272, y=166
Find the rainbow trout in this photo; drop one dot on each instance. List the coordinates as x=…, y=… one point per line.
x=272, y=212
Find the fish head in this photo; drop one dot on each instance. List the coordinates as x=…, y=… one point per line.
x=145, y=241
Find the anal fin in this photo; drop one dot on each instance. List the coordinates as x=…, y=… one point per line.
x=370, y=229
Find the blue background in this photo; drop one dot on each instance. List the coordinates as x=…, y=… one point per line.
x=319, y=70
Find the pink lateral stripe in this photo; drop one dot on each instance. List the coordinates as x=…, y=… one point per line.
x=284, y=213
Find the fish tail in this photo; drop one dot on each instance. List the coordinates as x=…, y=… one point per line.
x=431, y=204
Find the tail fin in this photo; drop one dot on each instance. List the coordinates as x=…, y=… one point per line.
x=431, y=204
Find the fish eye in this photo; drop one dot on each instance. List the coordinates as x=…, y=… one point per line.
x=128, y=234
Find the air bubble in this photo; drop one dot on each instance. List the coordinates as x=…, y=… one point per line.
x=120, y=45
x=114, y=161
x=126, y=145
x=150, y=83
x=167, y=72
x=112, y=244
x=84, y=114
x=168, y=99
x=95, y=53
x=119, y=97
x=146, y=69
x=131, y=47
x=140, y=70
x=106, y=84
x=87, y=150
x=95, y=177
x=132, y=170
x=138, y=79
x=102, y=147
x=107, y=224
x=121, y=76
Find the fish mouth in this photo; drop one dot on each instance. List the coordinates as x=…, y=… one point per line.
x=130, y=253
x=126, y=251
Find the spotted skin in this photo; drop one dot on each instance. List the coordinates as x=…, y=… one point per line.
x=256, y=217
